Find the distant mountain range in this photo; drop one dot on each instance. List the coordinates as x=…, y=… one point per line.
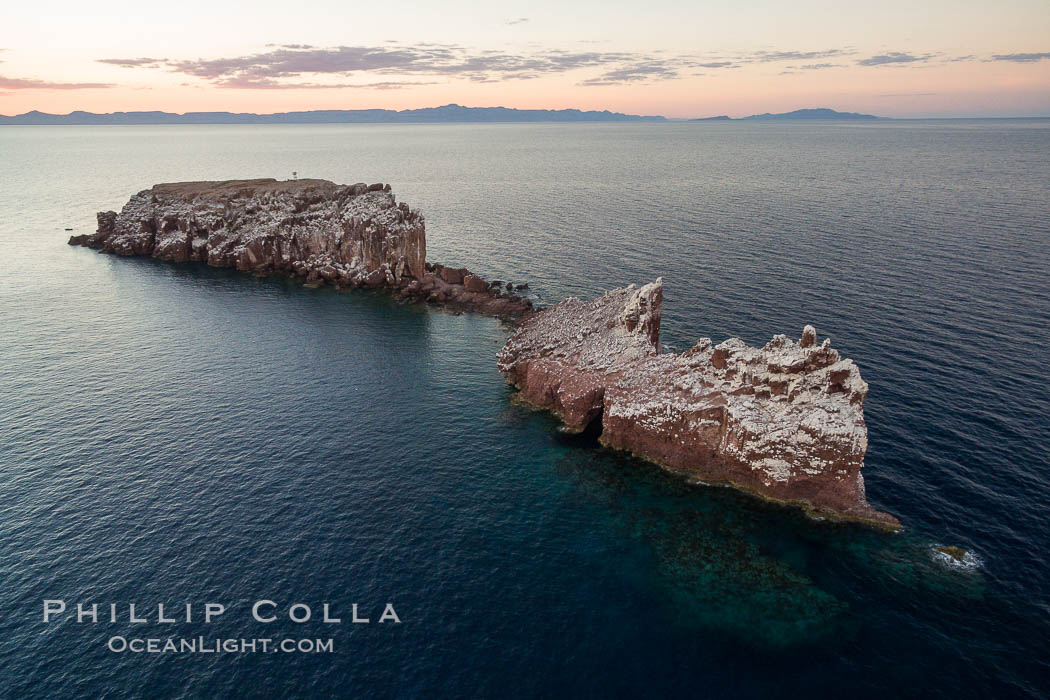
x=819, y=113
x=444, y=114
x=452, y=113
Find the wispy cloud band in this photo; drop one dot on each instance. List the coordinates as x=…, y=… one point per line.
x=304, y=66
x=284, y=65
x=895, y=57
x=1022, y=57
x=30, y=84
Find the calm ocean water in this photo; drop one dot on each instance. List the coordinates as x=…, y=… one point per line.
x=178, y=434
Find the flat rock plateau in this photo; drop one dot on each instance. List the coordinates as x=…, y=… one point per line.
x=784, y=421
x=348, y=236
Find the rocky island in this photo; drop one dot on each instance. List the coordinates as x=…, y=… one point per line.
x=784, y=421
x=348, y=236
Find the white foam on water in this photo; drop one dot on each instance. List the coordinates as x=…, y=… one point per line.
x=970, y=560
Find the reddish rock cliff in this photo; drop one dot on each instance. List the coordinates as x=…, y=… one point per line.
x=785, y=421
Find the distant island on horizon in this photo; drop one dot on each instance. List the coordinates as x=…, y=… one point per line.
x=446, y=114
x=817, y=113
x=450, y=113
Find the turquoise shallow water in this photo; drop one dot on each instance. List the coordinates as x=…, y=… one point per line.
x=181, y=434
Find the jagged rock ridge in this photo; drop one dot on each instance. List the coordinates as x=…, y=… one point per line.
x=785, y=421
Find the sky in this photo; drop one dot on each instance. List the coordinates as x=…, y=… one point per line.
x=677, y=58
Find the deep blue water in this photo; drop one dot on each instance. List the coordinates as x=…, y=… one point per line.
x=178, y=434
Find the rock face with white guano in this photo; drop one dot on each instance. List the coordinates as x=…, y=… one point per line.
x=264, y=225
x=785, y=421
x=343, y=235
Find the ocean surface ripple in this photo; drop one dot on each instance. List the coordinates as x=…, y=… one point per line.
x=179, y=434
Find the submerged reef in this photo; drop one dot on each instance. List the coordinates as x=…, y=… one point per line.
x=784, y=421
x=348, y=236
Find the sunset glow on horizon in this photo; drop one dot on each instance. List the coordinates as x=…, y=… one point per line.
x=666, y=57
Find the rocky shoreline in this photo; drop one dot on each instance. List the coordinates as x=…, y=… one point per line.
x=784, y=421
x=346, y=236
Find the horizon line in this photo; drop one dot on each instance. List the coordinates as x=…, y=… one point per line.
x=630, y=116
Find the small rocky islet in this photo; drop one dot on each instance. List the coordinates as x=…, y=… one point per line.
x=784, y=421
x=346, y=236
